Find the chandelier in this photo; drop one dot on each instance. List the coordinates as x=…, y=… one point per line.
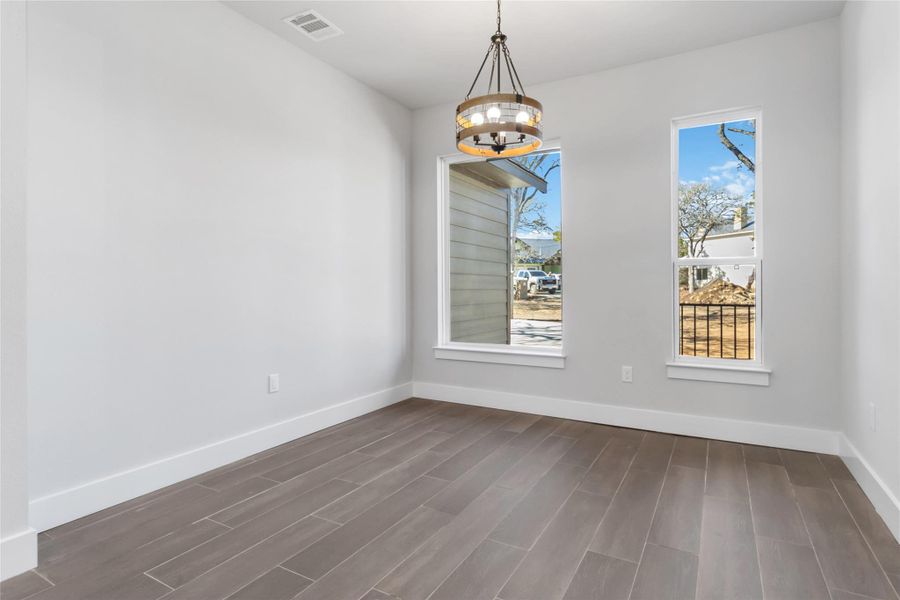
x=498, y=124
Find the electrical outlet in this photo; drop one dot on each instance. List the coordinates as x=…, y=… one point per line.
x=626, y=374
x=274, y=383
x=873, y=420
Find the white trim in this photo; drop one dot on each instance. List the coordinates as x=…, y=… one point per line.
x=719, y=428
x=715, y=261
x=712, y=118
x=730, y=234
x=63, y=506
x=718, y=372
x=18, y=553
x=885, y=502
x=743, y=113
x=502, y=354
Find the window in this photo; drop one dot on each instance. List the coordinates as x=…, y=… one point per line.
x=501, y=259
x=716, y=240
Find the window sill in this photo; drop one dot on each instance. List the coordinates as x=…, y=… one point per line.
x=505, y=355
x=718, y=373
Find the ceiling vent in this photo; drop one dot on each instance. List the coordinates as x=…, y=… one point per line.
x=313, y=25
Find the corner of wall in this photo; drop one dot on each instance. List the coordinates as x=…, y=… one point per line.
x=883, y=499
x=869, y=280
x=18, y=543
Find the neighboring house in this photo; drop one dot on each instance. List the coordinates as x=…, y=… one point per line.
x=535, y=251
x=523, y=250
x=737, y=238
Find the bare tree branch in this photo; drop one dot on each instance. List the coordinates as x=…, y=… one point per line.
x=700, y=209
x=735, y=150
x=744, y=131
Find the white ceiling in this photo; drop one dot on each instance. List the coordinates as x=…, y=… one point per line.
x=426, y=52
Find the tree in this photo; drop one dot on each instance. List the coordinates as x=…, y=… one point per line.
x=743, y=158
x=700, y=209
x=557, y=236
x=523, y=251
x=526, y=208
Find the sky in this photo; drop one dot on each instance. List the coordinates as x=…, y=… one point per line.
x=702, y=157
x=551, y=199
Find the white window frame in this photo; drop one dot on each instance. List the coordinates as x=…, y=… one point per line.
x=469, y=351
x=749, y=372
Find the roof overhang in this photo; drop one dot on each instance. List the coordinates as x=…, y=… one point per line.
x=501, y=173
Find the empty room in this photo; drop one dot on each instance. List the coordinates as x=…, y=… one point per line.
x=450, y=300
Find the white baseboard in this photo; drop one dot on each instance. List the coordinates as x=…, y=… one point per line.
x=67, y=505
x=732, y=430
x=18, y=553
x=885, y=502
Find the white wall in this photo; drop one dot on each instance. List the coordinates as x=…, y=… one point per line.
x=18, y=543
x=615, y=131
x=207, y=205
x=870, y=217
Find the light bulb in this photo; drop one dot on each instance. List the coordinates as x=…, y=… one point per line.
x=521, y=117
x=477, y=118
x=493, y=113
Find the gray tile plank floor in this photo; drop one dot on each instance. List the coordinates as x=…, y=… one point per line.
x=439, y=501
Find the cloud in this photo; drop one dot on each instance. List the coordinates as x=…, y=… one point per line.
x=535, y=235
x=737, y=189
x=733, y=177
x=727, y=166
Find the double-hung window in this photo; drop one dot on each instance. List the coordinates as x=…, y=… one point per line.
x=717, y=248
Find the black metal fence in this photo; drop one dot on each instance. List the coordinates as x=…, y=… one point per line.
x=717, y=330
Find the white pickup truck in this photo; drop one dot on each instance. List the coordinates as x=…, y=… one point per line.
x=537, y=281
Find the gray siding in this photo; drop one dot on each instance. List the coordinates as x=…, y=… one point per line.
x=479, y=262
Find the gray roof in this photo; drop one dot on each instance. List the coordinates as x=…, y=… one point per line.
x=541, y=246
x=728, y=227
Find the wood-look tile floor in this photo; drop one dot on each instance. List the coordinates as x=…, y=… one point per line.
x=449, y=502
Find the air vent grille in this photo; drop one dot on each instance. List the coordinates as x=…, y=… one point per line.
x=313, y=25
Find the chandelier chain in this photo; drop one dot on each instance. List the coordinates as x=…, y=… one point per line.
x=509, y=72
x=490, y=79
x=498, y=53
x=480, y=69
x=512, y=67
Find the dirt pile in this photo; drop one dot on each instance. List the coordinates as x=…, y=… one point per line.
x=718, y=292
x=542, y=307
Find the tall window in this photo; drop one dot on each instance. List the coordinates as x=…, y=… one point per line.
x=502, y=252
x=716, y=237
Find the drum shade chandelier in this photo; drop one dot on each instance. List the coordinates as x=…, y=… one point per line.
x=499, y=124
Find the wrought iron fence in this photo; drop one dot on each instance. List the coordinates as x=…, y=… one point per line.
x=717, y=330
